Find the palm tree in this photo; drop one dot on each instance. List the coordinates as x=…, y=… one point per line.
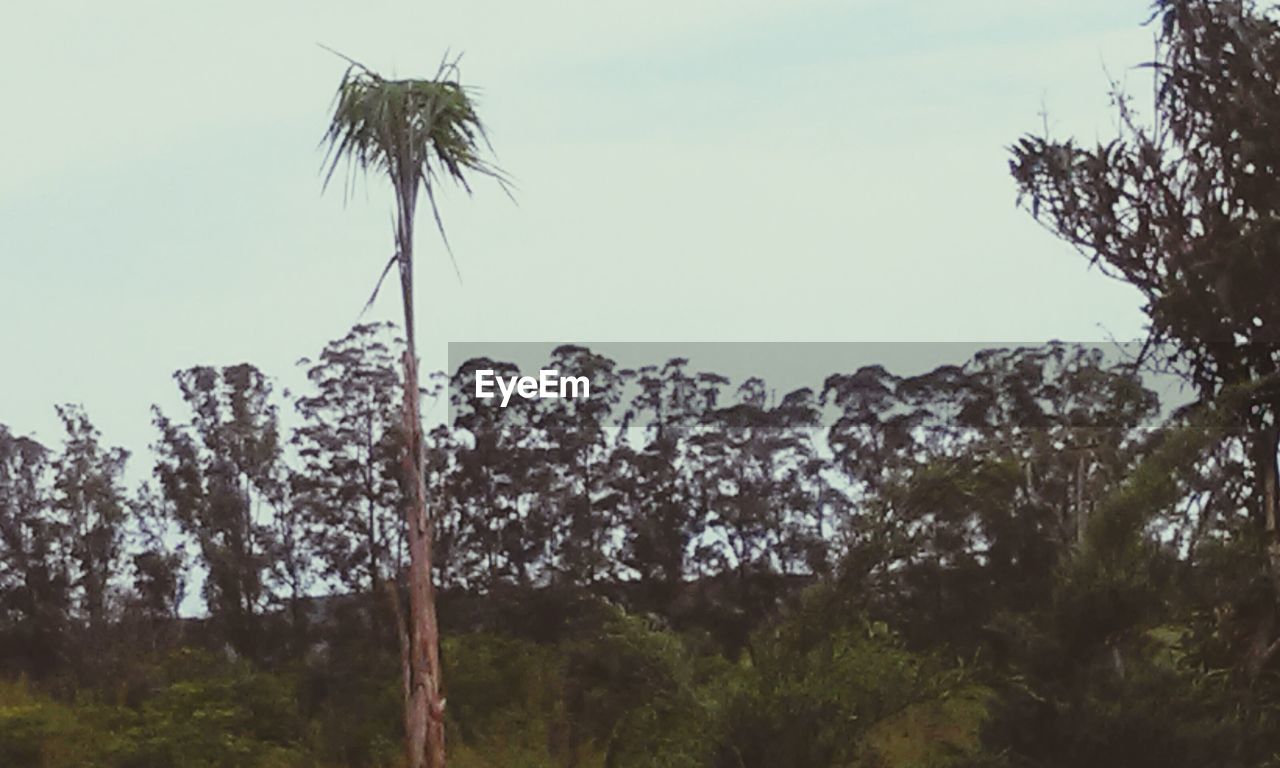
x=418, y=132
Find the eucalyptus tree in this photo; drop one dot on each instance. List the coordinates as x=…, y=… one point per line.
x=159, y=562
x=576, y=441
x=418, y=132
x=349, y=445
x=500, y=497
x=220, y=476
x=759, y=483
x=91, y=507
x=660, y=473
x=974, y=482
x=1185, y=208
x=35, y=582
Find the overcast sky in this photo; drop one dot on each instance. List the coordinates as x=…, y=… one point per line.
x=713, y=170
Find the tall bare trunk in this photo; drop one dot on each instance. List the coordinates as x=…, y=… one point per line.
x=420, y=636
x=424, y=707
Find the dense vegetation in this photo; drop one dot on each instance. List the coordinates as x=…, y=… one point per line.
x=1013, y=561
x=1020, y=559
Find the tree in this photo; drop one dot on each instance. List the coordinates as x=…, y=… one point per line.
x=572, y=460
x=159, y=575
x=756, y=494
x=497, y=534
x=418, y=132
x=975, y=481
x=220, y=475
x=35, y=590
x=90, y=506
x=1188, y=212
x=660, y=484
x=350, y=445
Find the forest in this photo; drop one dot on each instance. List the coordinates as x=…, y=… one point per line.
x=1024, y=559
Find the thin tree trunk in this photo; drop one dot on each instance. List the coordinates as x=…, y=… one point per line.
x=424, y=706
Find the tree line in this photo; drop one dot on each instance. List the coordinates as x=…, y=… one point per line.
x=1031, y=510
x=718, y=483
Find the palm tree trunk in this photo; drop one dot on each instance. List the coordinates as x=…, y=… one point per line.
x=420, y=640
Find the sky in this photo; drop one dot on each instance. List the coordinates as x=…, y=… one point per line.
x=725, y=170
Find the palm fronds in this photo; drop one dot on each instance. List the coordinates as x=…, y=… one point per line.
x=417, y=131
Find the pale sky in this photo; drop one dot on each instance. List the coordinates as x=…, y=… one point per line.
x=733, y=170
